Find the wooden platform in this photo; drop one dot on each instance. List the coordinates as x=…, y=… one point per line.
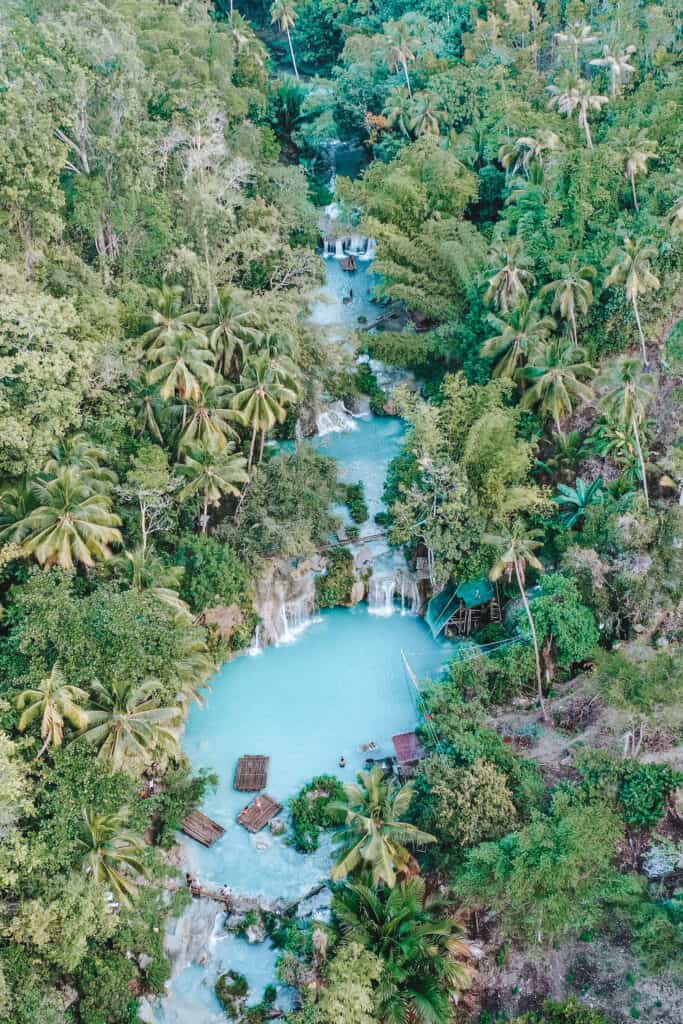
x=204, y=830
x=252, y=773
x=408, y=748
x=259, y=812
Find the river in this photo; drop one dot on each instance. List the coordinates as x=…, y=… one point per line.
x=336, y=684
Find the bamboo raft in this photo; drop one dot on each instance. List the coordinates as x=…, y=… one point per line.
x=252, y=773
x=201, y=828
x=259, y=813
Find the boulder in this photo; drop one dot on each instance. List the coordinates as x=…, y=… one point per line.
x=225, y=619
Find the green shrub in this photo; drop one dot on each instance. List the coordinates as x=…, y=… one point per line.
x=569, y=1012
x=214, y=576
x=334, y=588
x=231, y=990
x=640, y=790
x=641, y=681
x=366, y=382
x=354, y=499
x=311, y=812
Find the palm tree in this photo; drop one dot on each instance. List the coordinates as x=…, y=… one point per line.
x=572, y=293
x=230, y=329
x=576, y=94
x=617, y=63
x=262, y=401
x=212, y=474
x=399, y=109
x=375, y=830
x=146, y=572
x=631, y=268
x=576, y=36
x=127, y=725
x=80, y=452
x=402, y=47
x=54, y=701
x=109, y=850
x=149, y=408
x=421, y=943
x=284, y=14
x=628, y=392
x=636, y=149
x=69, y=523
x=185, y=361
x=206, y=418
x=428, y=115
x=15, y=504
x=524, y=329
x=168, y=317
x=517, y=548
x=555, y=372
x=575, y=501
x=507, y=285
x=528, y=149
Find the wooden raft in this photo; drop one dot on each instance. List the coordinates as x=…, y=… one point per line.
x=259, y=812
x=252, y=773
x=204, y=830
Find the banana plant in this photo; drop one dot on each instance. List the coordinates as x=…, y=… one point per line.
x=575, y=501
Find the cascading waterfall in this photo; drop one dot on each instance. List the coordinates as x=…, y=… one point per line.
x=336, y=417
x=384, y=591
x=295, y=617
x=410, y=595
x=255, y=645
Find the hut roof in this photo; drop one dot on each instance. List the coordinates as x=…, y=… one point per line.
x=252, y=773
x=259, y=812
x=475, y=592
x=407, y=747
x=204, y=830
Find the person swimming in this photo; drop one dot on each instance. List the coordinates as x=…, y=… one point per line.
x=342, y=762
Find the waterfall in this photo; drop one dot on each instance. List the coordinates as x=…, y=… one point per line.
x=370, y=250
x=381, y=595
x=295, y=616
x=255, y=645
x=339, y=248
x=410, y=595
x=334, y=419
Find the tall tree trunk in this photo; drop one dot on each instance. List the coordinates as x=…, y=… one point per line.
x=209, y=275
x=251, y=449
x=291, y=50
x=632, y=179
x=636, y=438
x=532, y=627
x=574, y=331
x=205, y=516
x=143, y=523
x=587, y=130
x=263, y=444
x=641, y=335
x=44, y=747
x=404, y=65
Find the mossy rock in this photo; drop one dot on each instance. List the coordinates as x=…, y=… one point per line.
x=231, y=991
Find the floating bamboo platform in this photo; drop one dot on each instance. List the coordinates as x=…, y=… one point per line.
x=205, y=831
x=259, y=812
x=252, y=773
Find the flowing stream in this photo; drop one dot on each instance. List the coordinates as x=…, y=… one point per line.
x=337, y=685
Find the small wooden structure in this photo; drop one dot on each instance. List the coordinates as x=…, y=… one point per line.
x=408, y=748
x=252, y=773
x=461, y=610
x=349, y=263
x=259, y=812
x=198, y=826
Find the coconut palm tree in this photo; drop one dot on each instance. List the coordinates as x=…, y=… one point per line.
x=402, y=45
x=149, y=408
x=617, y=62
x=206, y=418
x=168, y=317
x=575, y=94
x=572, y=293
x=428, y=115
x=127, y=724
x=575, y=37
x=212, y=474
x=528, y=149
x=53, y=701
x=69, y=522
x=146, y=572
x=556, y=373
x=507, y=285
x=519, y=334
x=375, y=830
x=15, y=504
x=627, y=394
x=636, y=151
x=575, y=501
x=284, y=14
x=230, y=330
x=110, y=851
x=422, y=945
x=518, y=548
x=262, y=400
x=185, y=362
x=399, y=110
x=631, y=268
x=89, y=458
